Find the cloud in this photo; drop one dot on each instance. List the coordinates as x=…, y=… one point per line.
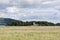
x=49, y=2
x=12, y=9
x=43, y=10
x=4, y=1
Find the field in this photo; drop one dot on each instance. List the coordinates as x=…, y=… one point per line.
x=29, y=33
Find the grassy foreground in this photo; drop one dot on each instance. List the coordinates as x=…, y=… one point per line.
x=29, y=33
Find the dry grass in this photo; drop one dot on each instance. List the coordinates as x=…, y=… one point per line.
x=29, y=33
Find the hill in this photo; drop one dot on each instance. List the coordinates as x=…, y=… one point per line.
x=4, y=21
x=12, y=22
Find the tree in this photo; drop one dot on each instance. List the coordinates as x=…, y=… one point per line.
x=58, y=24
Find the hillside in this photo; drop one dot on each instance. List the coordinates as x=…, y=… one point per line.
x=12, y=22
x=4, y=21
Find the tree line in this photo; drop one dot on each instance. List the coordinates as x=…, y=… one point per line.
x=31, y=23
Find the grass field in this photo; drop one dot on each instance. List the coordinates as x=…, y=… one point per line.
x=29, y=33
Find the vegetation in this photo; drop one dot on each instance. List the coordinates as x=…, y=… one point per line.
x=31, y=23
x=28, y=33
x=19, y=23
x=12, y=22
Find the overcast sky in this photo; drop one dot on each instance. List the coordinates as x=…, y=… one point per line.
x=29, y=10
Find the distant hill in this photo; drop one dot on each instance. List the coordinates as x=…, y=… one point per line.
x=13, y=22
x=4, y=21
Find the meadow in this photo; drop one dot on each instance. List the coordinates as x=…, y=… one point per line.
x=29, y=33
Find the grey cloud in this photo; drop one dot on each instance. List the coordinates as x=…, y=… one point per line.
x=32, y=10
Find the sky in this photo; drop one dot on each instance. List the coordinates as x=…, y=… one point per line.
x=31, y=10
